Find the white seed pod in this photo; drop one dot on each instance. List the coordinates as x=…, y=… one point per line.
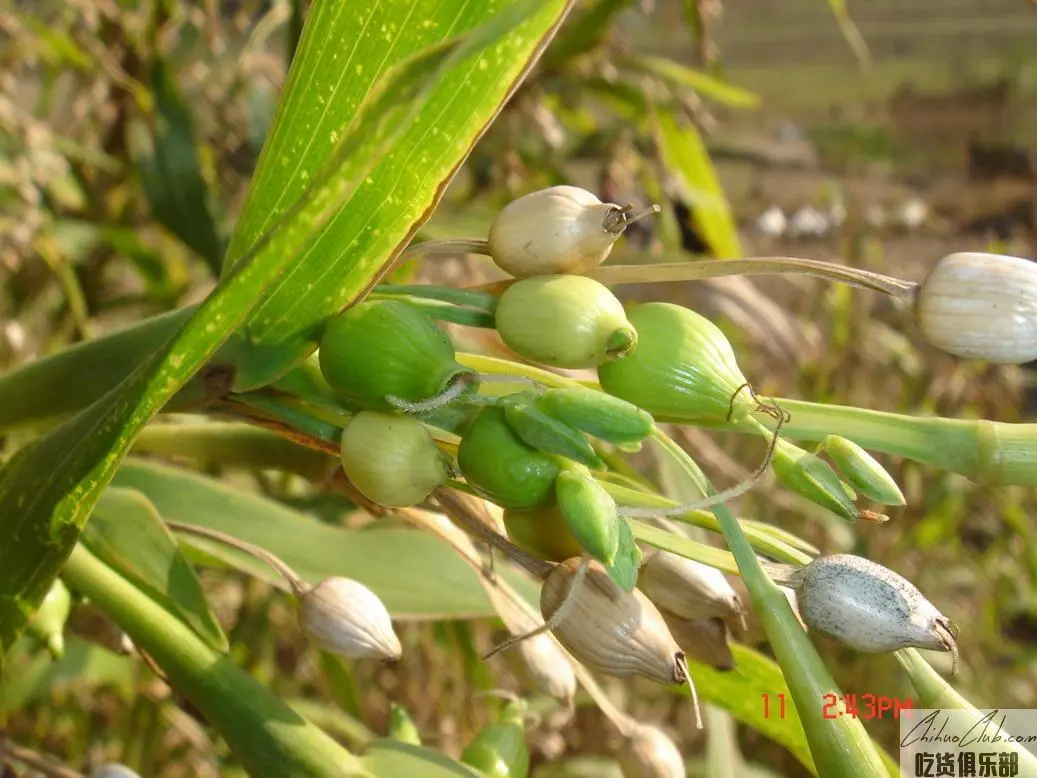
x=113, y=770
x=609, y=630
x=689, y=589
x=981, y=306
x=548, y=668
x=562, y=229
x=344, y=617
x=647, y=752
x=868, y=607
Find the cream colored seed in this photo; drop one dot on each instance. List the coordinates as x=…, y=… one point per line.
x=648, y=753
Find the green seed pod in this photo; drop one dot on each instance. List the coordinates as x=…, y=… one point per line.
x=564, y=321
x=596, y=413
x=391, y=460
x=683, y=368
x=862, y=471
x=811, y=477
x=590, y=513
x=48, y=623
x=545, y=433
x=385, y=348
x=402, y=726
x=500, y=467
x=500, y=750
x=542, y=531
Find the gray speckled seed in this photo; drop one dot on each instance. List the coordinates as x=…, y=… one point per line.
x=868, y=607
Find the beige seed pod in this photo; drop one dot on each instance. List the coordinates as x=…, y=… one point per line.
x=648, y=753
x=704, y=640
x=609, y=630
x=690, y=589
x=344, y=617
x=981, y=306
x=562, y=229
x=548, y=668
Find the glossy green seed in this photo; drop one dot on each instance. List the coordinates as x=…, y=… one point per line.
x=386, y=348
x=683, y=368
x=500, y=467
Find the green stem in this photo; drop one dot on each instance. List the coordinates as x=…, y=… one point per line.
x=448, y=294
x=694, y=271
x=484, y=364
x=443, y=311
x=264, y=734
x=839, y=747
x=990, y=452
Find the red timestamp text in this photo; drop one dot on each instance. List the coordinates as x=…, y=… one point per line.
x=863, y=706
x=834, y=706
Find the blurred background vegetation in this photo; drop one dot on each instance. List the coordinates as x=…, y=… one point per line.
x=128, y=132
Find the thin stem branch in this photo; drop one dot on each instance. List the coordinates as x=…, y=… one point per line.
x=299, y=586
x=45, y=765
x=448, y=246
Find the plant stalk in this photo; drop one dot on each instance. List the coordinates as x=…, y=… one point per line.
x=267, y=737
x=841, y=747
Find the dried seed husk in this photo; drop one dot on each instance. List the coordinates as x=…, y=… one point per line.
x=590, y=513
x=500, y=750
x=386, y=348
x=981, y=306
x=862, y=471
x=683, y=368
x=647, y=752
x=689, y=589
x=542, y=531
x=868, y=607
x=564, y=321
x=500, y=467
x=562, y=229
x=548, y=668
x=113, y=770
x=544, y=432
x=704, y=640
x=596, y=413
x=402, y=726
x=614, y=632
x=391, y=459
x=48, y=623
x=344, y=617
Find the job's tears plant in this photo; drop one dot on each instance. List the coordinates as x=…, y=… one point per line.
x=300, y=339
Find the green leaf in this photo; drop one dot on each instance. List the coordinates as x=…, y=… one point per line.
x=47, y=494
x=234, y=445
x=397, y=194
x=703, y=84
x=68, y=381
x=171, y=171
x=583, y=32
x=128, y=535
x=685, y=156
x=386, y=758
x=416, y=575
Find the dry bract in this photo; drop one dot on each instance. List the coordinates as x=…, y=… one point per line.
x=609, y=630
x=549, y=668
x=704, y=640
x=981, y=306
x=344, y=617
x=648, y=753
x=689, y=589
